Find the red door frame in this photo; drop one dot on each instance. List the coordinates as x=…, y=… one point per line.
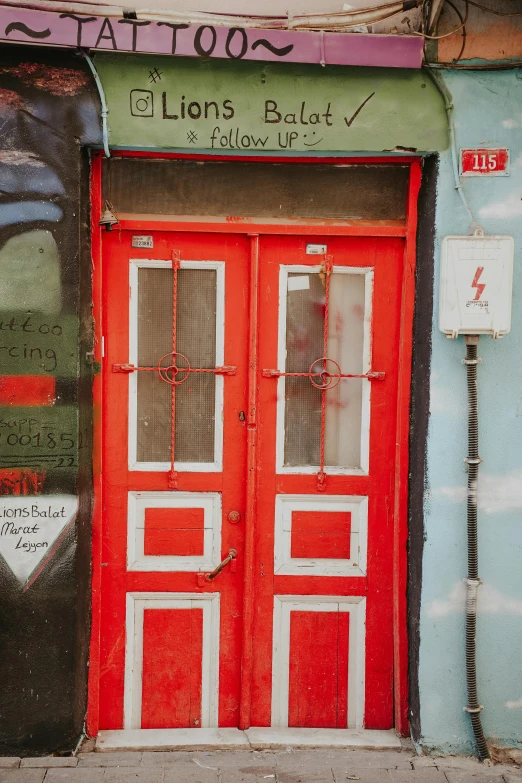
x=406, y=229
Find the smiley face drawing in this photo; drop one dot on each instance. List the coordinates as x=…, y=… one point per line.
x=313, y=142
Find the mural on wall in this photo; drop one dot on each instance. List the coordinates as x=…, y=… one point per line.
x=38, y=324
x=47, y=110
x=31, y=529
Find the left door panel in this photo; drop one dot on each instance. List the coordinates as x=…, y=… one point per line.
x=174, y=385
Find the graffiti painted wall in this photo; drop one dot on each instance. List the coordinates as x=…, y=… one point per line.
x=47, y=112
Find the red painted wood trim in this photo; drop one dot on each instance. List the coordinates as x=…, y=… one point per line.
x=246, y=225
x=396, y=160
x=321, y=585
x=287, y=483
x=251, y=508
x=93, y=696
x=400, y=538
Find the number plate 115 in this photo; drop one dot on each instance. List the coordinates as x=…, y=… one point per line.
x=484, y=162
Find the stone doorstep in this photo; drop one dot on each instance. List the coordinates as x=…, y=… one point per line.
x=272, y=739
x=171, y=739
x=251, y=739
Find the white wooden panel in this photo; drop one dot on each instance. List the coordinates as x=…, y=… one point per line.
x=286, y=565
x=138, y=502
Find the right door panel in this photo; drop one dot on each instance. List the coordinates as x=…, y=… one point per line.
x=323, y=653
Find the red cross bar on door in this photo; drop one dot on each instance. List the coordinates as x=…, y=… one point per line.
x=324, y=373
x=174, y=368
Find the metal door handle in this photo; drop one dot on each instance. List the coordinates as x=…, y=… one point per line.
x=232, y=553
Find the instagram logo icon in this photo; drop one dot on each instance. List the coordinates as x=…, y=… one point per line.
x=141, y=103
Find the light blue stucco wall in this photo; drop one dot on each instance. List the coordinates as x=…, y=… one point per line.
x=487, y=112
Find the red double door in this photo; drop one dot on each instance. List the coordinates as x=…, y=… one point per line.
x=249, y=420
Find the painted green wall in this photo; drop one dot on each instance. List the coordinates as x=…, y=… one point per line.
x=172, y=103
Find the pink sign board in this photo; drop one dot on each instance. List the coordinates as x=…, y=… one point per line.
x=22, y=25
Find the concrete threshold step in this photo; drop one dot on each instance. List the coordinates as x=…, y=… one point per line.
x=261, y=739
x=251, y=739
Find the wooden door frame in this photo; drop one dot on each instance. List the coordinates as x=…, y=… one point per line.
x=406, y=229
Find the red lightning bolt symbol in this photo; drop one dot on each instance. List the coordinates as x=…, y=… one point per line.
x=479, y=286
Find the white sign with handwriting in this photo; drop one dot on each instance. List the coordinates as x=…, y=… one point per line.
x=31, y=528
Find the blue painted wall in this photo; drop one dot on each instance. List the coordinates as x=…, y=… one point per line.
x=487, y=112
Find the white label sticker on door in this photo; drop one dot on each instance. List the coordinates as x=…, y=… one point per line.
x=139, y=240
x=299, y=283
x=315, y=250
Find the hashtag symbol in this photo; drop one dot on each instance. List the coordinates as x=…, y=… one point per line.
x=479, y=286
x=191, y=136
x=154, y=76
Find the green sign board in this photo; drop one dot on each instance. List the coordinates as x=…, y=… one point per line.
x=172, y=103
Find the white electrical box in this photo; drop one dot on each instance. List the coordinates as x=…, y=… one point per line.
x=476, y=281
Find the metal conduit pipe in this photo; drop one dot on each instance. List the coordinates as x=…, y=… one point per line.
x=472, y=582
x=103, y=102
x=448, y=106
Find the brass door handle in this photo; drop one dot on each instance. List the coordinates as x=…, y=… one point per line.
x=232, y=554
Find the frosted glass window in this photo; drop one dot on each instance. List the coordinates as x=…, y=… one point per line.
x=304, y=345
x=196, y=340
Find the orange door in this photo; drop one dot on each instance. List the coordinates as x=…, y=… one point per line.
x=250, y=390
